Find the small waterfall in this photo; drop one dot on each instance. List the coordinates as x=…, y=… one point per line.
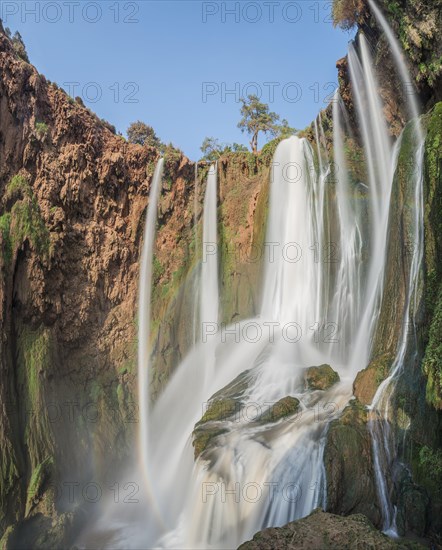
x=196, y=283
x=144, y=306
x=209, y=272
x=379, y=424
x=145, y=290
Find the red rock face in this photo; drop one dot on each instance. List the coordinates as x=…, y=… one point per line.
x=68, y=316
x=90, y=190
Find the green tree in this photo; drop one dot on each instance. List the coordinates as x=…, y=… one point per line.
x=283, y=130
x=142, y=134
x=347, y=13
x=211, y=149
x=256, y=118
x=238, y=148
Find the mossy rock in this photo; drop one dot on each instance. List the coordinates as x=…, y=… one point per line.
x=368, y=380
x=225, y=404
x=287, y=406
x=203, y=436
x=348, y=461
x=38, y=482
x=219, y=409
x=432, y=364
x=322, y=377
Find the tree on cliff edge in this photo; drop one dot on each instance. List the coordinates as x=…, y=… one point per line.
x=257, y=117
x=142, y=134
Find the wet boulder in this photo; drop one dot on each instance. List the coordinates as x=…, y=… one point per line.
x=223, y=406
x=348, y=461
x=285, y=407
x=322, y=377
x=368, y=380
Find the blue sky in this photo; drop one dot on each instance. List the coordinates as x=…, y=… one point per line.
x=173, y=63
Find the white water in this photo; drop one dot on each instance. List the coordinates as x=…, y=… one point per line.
x=257, y=474
x=145, y=291
x=379, y=424
x=209, y=272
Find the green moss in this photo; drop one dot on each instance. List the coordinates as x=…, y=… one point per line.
x=18, y=188
x=5, y=225
x=432, y=363
x=95, y=390
x=158, y=269
x=321, y=378
x=41, y=128
x=33, y=365
x=203, y=436
x=27, y=224
x=39, y=478
x=120, y=395
x=431, y=461
x=35, y=355
x=285, y=407
x=219, y=409
x=23, y=221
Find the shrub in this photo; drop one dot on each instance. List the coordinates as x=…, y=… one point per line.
x=41, y=129
x=142, y=134
x=347, y=13
x=24, y=221
x=431, y=461
x=17, y=188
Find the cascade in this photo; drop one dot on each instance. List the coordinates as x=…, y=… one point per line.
x=323, y=274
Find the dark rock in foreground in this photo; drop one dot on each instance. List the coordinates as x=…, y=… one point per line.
x=321, y=531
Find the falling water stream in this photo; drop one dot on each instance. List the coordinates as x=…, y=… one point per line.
x=379, y=424
x=324, y=267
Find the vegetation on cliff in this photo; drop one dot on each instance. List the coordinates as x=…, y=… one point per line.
x=22, y=220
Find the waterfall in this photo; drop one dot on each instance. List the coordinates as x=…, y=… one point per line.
x=145, y=289
x=144, y=306
x=323, y=282
x=196, y=283
x=209, y=271
x=379, y=424
x=206, y=502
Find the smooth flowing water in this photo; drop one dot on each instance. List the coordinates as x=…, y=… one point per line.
x=145, y=290
x=384, y=445
x=324, y=267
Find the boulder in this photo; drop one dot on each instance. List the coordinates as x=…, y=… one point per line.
x=287, y=406
x=348, y=461
x=368, y=380
x=322, y=377
x=322, y=531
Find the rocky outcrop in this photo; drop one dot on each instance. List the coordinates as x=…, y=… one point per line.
x=322, y=531
x=348, y=461
x=368, y=380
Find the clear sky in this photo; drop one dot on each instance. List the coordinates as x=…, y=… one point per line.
x=172, y=64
